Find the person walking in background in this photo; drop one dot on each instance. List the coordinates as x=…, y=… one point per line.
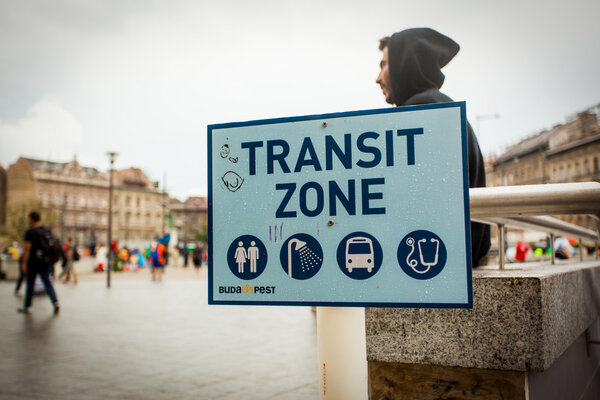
x=157, y=256
x=186, y=255
x=92, y=244
x=563, y=248
x=70, y=258
x=410, y=74
x=197, y=257
x=37, y=259
x=521, y=250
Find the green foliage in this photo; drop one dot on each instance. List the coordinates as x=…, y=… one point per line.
x=202, y=235
x=17, y=220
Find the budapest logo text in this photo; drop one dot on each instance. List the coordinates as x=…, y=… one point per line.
x=249, y=289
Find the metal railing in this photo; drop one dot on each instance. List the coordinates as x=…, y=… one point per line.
x=530, y=206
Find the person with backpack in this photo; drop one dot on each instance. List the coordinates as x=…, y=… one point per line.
x=158, y=258
x=71, y=255
x=42, y=250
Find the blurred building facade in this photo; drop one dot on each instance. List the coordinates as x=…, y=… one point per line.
x=139, y=208
x=2, y=198
x=190, y=217
x=568, y=152
x=73, y=200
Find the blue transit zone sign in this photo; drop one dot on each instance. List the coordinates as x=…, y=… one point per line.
x=364, y=208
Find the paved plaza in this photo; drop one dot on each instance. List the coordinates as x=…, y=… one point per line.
x=153, y=340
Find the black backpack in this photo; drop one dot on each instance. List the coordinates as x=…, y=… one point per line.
x=76, y=255
x=50, y=249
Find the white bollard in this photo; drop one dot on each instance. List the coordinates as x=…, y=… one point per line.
x=342, y=348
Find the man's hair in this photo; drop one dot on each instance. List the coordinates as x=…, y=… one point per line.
x=35, y=216
x=383, y=42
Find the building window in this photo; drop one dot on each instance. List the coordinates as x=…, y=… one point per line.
x=595, y=164
x=586, y=166
x=569, y=174
x=127, y=201
x=562, y=174
x=41, y=196
x=82, y=201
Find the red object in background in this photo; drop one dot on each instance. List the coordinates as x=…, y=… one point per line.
x=572, y=241
x=113, y=246
x=522, y=249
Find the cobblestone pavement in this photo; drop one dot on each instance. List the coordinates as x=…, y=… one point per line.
x=153, y=340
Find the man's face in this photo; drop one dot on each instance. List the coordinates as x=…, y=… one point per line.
x=383, y=79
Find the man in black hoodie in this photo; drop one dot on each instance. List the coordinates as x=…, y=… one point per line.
x=411, y=74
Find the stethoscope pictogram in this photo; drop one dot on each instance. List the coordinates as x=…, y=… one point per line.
x=422, y=254
x=413, y=263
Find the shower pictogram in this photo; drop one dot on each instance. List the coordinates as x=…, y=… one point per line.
x=301, y=256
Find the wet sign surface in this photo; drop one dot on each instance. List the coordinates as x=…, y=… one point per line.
x=366, y=208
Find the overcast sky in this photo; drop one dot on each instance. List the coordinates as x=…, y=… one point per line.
x=144, y=78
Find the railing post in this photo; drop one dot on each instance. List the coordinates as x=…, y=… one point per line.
x=552, y=247
x=501, y=246
x=580, y=249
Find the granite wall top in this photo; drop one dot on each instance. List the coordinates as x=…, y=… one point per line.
x=523, y=318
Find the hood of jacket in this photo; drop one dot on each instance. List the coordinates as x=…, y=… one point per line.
x=416, y=57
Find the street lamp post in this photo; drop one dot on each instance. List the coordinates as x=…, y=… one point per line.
x=111, y=155
x=164, y=205
x=62, y=218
